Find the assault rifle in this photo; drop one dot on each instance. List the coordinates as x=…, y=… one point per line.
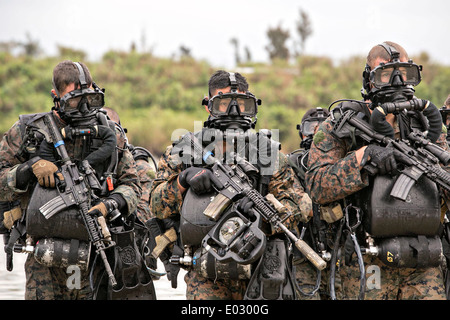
x=418, y=155
x=232, y=183
x=75, y=190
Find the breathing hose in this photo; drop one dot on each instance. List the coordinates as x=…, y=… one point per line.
x=429, y=110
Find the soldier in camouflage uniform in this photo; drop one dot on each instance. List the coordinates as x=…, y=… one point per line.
x=145, y=167
x=147, y=173
x=312, y=284
x=445, y=110
x=146, y=170
x=445, y=113
x=174, y=179
x=21, y=164
x=336, y=172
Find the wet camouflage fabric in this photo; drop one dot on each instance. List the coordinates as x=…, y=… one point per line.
x=127, y=185
x=306, y=277
x=166, y=201
x=43, y=283
x=394, y=283
x=201, y=288
x=146, y=175
x=333, y=172
x=145, y=172
x=127, y=180
x=333, y=175
x=305, y=273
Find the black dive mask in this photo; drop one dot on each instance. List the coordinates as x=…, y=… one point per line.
x=233, y=104
x=81, y=105
x=308, y=126
x=393, y=81
x=232, y=110
x=394, y=74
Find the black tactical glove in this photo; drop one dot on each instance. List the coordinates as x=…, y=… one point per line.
x=382, y=158
x=199, y=179
x=245, y=205
x=108, y=207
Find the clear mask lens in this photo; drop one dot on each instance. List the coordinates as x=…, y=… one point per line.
x=309, y=126
x=71, y=101
x=221, y=105
x=407, y=73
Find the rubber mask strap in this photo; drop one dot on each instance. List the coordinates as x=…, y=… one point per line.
x=233, y=82
x=54, y=86
x=393, y=53
x=83, y=82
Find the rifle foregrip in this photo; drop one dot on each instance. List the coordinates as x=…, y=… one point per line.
x=310, y=254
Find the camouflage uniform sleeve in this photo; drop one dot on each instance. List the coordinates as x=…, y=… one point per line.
x=287, y=189
x=9, y=147
x=165, y=197
x=442, y=142
x=146, y=176
x=127, y=181
x=333, y=172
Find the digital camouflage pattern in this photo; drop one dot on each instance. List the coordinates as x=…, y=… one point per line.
x=201, y=288
x=43, y=283
x=333, y=175
x=39, y=284
x=146, y=175
x=388, y=283
x=333, y=172
x=166, y=201
x=305, y=273
x=306, y=277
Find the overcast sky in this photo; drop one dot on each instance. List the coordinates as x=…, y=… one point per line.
x=340, y=28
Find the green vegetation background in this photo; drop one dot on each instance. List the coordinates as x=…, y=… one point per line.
x=155, y=96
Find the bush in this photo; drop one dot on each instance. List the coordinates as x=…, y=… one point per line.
x=157, y=97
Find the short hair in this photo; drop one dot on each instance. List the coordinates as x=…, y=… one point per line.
x=221, y=79
x=379, y=51
x=66, y=72
x=447, y=102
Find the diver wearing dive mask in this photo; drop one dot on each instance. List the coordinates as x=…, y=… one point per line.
x=232, y=107
x=390, y=77
x=79, y=103
x=184, y=185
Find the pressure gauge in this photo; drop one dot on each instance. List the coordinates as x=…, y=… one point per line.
x=229, y=229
